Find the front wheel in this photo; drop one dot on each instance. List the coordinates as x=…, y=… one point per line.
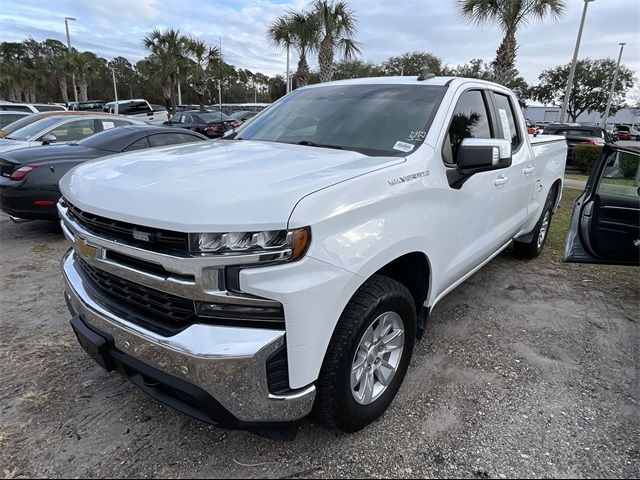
x=368, y=355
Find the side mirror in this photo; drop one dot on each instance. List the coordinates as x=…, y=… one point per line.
x=482, y=154
x=48, y=139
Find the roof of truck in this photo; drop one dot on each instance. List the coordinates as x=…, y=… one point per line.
x=408, y=80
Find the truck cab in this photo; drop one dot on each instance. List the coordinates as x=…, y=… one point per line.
x=292, y=265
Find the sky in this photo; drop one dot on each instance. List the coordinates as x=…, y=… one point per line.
x=385, y=28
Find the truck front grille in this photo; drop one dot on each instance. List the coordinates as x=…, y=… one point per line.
x=171, y=308
x=165, y=313
x=157, y=240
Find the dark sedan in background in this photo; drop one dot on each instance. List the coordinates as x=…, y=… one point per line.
x=579, y=135
x=29, y=177
x=211, y=124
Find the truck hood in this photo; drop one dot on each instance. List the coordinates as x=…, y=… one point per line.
x=213, y=186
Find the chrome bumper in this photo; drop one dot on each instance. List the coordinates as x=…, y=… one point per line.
x=226, y=362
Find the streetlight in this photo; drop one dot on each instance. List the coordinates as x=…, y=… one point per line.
x=613, y=86
x=73, y=75
x=572, y=72
x=115, y=88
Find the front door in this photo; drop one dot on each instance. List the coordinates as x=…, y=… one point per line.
x=605, y=225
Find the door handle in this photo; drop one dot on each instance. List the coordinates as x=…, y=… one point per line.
x=501, y=180
x=528, y=170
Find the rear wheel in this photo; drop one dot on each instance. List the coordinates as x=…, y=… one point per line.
x=368, y=356
x=532, y=248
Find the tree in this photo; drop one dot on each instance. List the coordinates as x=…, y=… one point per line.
x=125, y=74
x=413, y=63
x=87, y=66
x=509, y=15
x=591, y=85
x=356, y=69
x=337, y=28
x=204, y=57
x=168, y=47
x=476, y=68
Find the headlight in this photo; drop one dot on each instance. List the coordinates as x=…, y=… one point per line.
x=291, y=244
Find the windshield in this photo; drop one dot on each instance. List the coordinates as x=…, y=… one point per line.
x=376, y=120
x=211, y=117
x=28, y=131
x=237, y=115
x=12, y=127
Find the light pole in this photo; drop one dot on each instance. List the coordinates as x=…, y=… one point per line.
x=179, y=88
x=288, y=84
x=572, y=72
x=613, y=86
x=115, y=88
x=73, y=75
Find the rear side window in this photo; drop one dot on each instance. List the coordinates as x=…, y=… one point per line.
x=108, y=124
x=507, y=119
x=49, y=108
x=163, y=139
x=74, y=131
x=134, y=108
x=16, y=108
x=470, y=120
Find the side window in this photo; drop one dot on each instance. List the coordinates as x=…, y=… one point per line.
x=621, y=177
x=507, y=119
x=134, y=108
x=74, y=131
x=138, y=145
x=470, y=120
x=186, y=119
x=16, y=108
x=163, y=139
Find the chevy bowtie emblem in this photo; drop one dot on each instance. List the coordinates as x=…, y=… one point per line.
x=83, y=249
x=143, y=236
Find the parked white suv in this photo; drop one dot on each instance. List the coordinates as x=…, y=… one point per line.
x=31, y=107
x=138, y=109
x=245, y=281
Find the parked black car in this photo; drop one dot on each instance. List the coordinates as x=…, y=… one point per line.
x=579, y=135
x=211, y=124
x=242, y=116
x=29, y=177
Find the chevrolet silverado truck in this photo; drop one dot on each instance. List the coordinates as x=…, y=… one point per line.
x=291, y=266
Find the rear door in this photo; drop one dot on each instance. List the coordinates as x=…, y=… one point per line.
x=605, y=225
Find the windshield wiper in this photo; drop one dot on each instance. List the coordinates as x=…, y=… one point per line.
x=309, y=143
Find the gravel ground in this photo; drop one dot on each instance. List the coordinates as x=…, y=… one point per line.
x=528, y=369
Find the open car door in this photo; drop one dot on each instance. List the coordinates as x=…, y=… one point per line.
x=605, y=225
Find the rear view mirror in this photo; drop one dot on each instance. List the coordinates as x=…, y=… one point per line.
x=49, y=138
x=480, y=154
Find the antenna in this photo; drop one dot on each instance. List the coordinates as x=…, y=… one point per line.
x=425, y=74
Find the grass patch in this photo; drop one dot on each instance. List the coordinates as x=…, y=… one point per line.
x=576, y=176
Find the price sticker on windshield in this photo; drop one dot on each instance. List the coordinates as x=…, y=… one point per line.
x=417, y=136
x=403, y=147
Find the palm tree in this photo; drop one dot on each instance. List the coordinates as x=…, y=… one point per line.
x=337, y=27
x=204, y=56
x=169, y=48
x=306, y=33
x=509, y=15
x=280, y=34
x=85, y=66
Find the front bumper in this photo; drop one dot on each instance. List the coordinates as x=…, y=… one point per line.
x=225, y=365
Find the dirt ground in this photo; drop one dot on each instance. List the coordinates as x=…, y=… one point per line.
x=528, y=369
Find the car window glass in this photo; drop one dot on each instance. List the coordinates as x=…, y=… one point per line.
x=15, y=108
x=162, y=139
x=49, y=108
x=9, y=119
x=28, y=131
x=470, y=120
x=138, y=145
x=73, y=131
x=134, y=108
x=621, y=177
x=507, y=119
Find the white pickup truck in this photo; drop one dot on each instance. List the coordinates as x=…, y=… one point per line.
x=139, y=109
x=293, y=265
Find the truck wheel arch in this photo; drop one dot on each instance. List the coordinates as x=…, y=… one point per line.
x=413, y=270
x=557, y=185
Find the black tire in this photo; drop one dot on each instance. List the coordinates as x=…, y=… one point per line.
x=533, y=248
x=336, y=405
